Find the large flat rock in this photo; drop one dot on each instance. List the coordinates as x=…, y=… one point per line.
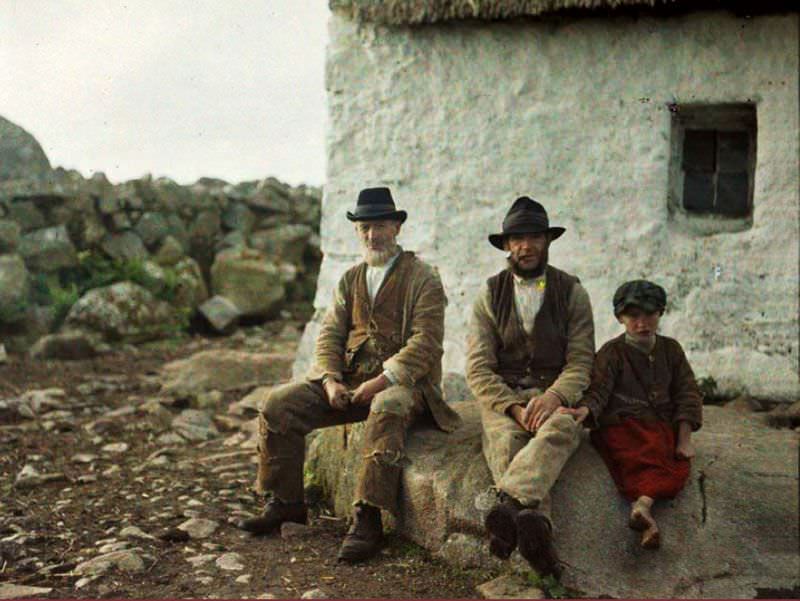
x=732, y=531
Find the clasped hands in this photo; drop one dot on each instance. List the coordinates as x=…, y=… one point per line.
x=339, y=397
x=533, y=415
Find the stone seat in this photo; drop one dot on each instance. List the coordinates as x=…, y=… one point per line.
x=731, y=532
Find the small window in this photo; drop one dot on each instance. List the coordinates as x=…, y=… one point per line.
x=713, y=160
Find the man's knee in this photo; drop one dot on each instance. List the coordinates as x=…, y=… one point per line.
x=277, y=410
x=395, y=400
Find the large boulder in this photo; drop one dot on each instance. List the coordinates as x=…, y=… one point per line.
x=124, y=246
x=250, y=280
x=9, y=236
x=21, y=156
x=48, y=249
x=13, y=287
x=731, y=532
x=223, y=370
x=123, y=312
x=283, y=244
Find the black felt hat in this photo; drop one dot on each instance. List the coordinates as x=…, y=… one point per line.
x=526, y=216
x=374, y=204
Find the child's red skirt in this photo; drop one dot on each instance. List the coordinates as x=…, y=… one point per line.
x=641, y=458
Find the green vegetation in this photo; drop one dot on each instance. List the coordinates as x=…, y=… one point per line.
x=13, y=313
x=62, y=290
x=710, y=391
x=548, y=584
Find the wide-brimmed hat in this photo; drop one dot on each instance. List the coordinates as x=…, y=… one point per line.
x=526, y=216
x=644, y=294
x=374, y=204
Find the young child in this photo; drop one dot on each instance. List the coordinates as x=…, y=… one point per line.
x=642, y=404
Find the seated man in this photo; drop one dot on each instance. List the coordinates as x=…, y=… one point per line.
x=530, y=351
x=377, y=358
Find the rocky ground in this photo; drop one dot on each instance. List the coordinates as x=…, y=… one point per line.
x=112, y=487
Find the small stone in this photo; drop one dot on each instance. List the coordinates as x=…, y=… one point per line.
x=199, y=527
x=81, y=582
x=244, y=579
x=4, y=360
x=83, y=458
x=199, y=560
x=18, y=591
x=230, y=562
x=127, y=561
x=134, y=532
x=115, y=447
x=314, y=593
x=509, y=587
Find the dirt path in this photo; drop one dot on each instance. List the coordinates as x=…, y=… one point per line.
x=116, y=501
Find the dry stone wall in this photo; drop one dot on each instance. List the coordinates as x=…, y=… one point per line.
x=252, y=247
x=461, y=118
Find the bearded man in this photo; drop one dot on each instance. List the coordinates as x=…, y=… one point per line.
x=530, y=351
x=377, y=358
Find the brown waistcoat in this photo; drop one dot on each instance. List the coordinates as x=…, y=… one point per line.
x=532, y=361
x=375, y=328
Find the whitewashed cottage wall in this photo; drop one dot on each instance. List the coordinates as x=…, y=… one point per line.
x=460, y=118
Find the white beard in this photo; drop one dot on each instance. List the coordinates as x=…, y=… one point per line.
x=376, y=258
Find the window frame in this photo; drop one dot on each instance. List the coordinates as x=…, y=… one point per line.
x=716, y=117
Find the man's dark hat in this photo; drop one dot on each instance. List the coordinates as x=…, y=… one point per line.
x=526, y=216
x=374, y=204
x=646, y=295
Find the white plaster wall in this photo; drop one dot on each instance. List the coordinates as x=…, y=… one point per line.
x=461, y=119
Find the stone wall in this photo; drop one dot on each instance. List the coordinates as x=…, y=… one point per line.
x=253, y=246
x=461, y=118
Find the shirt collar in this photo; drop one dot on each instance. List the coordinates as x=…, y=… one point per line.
x=537, y=282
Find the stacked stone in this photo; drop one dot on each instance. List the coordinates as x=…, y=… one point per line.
x=252, y=247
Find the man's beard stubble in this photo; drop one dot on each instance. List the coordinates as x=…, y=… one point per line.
x=527, y=274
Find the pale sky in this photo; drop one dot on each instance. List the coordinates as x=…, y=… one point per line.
x=182, y=88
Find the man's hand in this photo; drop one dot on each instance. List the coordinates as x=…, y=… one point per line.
x=518, y=413
x=579, y=414
x=364, y=394
x=337, y=393
x=539, y=409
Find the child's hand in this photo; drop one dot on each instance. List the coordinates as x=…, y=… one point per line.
x=684, y=449
x=579, y=414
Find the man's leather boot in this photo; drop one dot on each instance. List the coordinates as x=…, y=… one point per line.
x=275, y=513
x=536, y=543
x=501, y=524
x=365, y=535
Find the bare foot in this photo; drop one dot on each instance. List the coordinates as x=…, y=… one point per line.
x=651, y=538
x=641, y=519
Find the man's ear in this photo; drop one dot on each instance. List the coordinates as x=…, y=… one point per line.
x=505, y=243
x=399, y=226
x=619, y=318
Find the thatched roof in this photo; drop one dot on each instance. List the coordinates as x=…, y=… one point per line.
x=412, y=12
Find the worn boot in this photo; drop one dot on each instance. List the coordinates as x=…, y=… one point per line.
x=501, y=524
x=536, y=543
x=275, y=513
x=365, y=535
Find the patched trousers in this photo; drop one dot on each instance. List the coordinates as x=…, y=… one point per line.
x=524, y=465
x=293, y=410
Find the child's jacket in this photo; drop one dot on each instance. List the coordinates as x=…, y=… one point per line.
x=626, y=382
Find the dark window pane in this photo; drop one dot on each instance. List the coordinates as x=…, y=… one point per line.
x=732, y=151
x=698, y=191
x=699, y=150
x=732, y=193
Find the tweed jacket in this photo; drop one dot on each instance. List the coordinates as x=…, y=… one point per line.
x=484, y=340
x=418, y=363
x=626, y=382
